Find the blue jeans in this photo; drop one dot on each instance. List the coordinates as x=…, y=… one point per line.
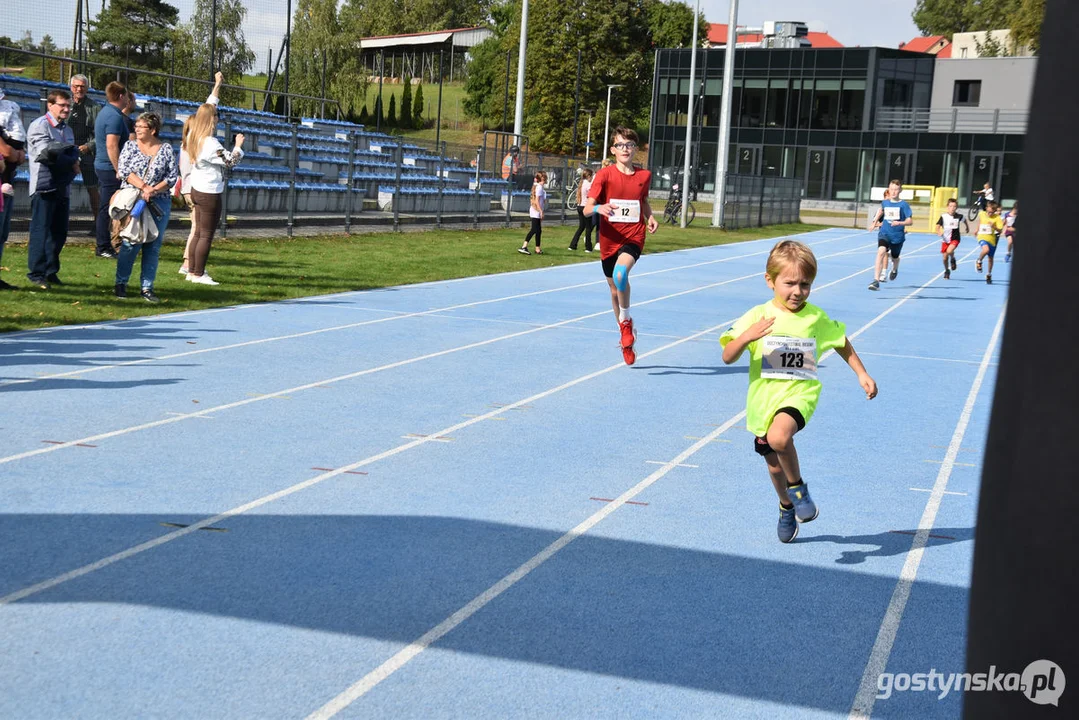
x=48, y=233
x=5, y=221
x=150, y=251
x=109, y=185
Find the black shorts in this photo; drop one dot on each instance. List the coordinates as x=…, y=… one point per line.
x=894, y=248
x=89, y=175
x=761, y=446
x=629, y=249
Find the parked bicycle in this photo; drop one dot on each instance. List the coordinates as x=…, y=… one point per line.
x=672, y=213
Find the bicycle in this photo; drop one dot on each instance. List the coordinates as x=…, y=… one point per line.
x=571, y=192
x=978, y=206
x=672, y=213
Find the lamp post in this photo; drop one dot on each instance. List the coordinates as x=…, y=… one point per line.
x=689, y=119
x=518, y=117
x=588, y=135
x=607, y=122
x=718, y=208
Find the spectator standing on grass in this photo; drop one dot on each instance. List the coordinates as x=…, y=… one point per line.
x=584, y=222
x=186, y=165
x=111, y=133
x=83, y=115
x=537, y=204
x=54, y=163
x=149, y=166
x=12, y=154
x=211, y=161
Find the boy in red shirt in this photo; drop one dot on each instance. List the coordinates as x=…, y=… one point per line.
x=619, y=195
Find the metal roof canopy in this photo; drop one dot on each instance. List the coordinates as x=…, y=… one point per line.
x=462, y=38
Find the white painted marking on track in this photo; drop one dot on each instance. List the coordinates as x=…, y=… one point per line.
x=946, y=492
x=369, y=371
x=893, y=615
x=410, y=651
x=663, y=462
x=400, y=316
x=922, y=357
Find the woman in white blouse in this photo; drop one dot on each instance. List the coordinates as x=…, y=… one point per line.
x=207, y=181
x=185, y=168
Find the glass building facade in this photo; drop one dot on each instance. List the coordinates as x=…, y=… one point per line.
x=811, y=114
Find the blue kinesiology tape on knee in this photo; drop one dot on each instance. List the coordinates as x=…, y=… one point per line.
x=620, y=277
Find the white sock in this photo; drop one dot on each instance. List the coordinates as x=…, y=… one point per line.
x=623, y=314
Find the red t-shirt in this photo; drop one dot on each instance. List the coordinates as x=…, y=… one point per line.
x=609, y=184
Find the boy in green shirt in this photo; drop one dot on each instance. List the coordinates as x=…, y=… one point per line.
x=786, y=338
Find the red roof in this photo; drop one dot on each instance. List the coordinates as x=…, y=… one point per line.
x=925, y=44
x=717, y=35
x=946, y=51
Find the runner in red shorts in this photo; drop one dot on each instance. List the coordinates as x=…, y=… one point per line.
x=619, y=195
x=948, y=229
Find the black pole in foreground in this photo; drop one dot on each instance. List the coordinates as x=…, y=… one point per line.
x=1024, y=585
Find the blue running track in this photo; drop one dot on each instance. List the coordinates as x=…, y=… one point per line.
x=455, y=500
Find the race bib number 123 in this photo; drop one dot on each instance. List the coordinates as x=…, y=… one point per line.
x=788, y=358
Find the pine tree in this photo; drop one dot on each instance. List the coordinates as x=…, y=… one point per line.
x=380, y=119
x=391, y=117
x=406, y=104
x=417, y=108
x=364, y=117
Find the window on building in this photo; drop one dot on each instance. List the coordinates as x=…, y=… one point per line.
x=967, y=93
x=825, y=105
x=897, y=93
x=851, y=105
x=777, y=104
x=752, y=105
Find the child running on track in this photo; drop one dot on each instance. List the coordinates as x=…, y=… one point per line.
x=1009, y=228
x=536, y=205
x=948, y=229
x=893, y=218
x=786, y=338
x=619, y=194
x=990, y=225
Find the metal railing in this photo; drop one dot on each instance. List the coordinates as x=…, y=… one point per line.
x=954, y=120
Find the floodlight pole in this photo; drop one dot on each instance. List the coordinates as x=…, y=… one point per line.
x=689, y=118
x=607, y=122
x=519, y=110
x=725, y=117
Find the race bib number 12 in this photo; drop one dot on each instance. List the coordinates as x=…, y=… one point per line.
x=787, y=358
x=625, y=211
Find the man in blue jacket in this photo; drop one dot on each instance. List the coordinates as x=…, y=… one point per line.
x=54, y=163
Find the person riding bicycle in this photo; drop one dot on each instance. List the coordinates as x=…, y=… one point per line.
x=511, y=164
x=985, y=195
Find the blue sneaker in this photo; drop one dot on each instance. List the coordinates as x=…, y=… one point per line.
x=804, y=507
x=788, y=527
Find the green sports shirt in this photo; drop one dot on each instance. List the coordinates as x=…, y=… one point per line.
x=789, y=377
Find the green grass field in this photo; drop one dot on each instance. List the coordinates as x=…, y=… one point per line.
x=276, y=269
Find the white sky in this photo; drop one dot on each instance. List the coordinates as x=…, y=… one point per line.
x=851, y=22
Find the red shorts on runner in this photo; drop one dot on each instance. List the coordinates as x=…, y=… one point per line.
x=945, y=246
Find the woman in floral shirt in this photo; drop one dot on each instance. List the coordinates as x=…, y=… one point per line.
x=148, y=165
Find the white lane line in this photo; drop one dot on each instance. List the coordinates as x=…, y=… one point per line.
x=946, y=492
x=922, y=357
x=417, y=646
x=259, y=502
x=361, y=373
x=349, y=326
x=664, y=462
x=889, y=627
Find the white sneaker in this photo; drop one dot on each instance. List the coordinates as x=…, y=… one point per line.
x=183, y=270
x=201, y=279
x=883, y=275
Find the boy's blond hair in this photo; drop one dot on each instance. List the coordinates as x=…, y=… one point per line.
x=791, y=252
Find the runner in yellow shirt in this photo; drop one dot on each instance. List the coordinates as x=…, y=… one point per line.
x=990, y=225
x=786, y=337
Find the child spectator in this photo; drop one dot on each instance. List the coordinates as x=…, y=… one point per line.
x=537, y=203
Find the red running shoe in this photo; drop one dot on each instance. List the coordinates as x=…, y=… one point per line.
x=629, y=338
